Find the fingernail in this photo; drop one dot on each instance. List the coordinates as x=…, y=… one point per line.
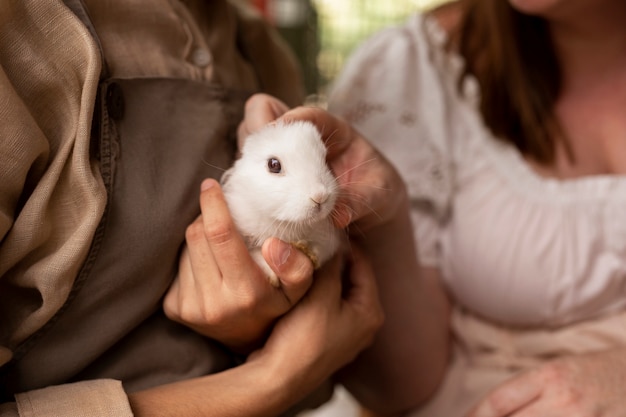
x=207, y=184
x=280, y=252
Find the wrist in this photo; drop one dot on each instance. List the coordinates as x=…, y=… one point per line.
x=290, y=377
x=256, y=388
x=248, y=344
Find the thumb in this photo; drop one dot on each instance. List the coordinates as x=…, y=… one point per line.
x=293, y=268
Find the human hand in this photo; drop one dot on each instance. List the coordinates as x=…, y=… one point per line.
x=590, y=385
x=324, y=331
x=260, y=110
x=371, y=190
x=330, y=325
x=220, y=291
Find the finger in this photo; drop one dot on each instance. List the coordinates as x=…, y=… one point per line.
x=336, y=134
x=197, y=266
x=172, y=301
x=509, y=397
x=362, y=287
x=175, y=300
x=260, y=109
x=327, y=280
x=224, y=241
x=293, y=268
x=538, y=407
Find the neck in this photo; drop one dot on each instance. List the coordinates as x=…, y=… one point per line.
x=592, y=43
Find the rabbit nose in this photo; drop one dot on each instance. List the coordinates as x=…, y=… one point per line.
x=319, y=199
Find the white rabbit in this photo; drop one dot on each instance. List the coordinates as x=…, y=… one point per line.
x=281, y=187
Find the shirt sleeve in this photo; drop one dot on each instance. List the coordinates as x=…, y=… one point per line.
x=392, y=91
x=51, y=193
x=101, y=398
x=45, y=171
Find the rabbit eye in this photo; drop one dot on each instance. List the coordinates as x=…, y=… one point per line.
x=274, y=166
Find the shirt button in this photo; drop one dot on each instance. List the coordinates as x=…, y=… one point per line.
x=201, y=57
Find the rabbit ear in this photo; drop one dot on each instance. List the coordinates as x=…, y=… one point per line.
x=225, y=176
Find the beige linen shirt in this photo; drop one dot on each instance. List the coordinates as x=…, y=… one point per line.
x=51, y=193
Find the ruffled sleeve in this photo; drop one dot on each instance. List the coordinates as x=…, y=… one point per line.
x=393, y=90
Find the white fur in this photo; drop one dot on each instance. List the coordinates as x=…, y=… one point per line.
x=265, y=204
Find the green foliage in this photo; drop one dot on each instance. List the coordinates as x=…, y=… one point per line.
x=343, y=24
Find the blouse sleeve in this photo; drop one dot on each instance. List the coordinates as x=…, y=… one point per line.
x=102, y=397
x=392, y=91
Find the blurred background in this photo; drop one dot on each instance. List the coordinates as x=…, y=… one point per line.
x=322, y=34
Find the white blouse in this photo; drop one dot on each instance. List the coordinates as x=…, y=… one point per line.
x=512, y=246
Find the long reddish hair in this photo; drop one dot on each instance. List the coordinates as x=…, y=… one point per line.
x=512, y=57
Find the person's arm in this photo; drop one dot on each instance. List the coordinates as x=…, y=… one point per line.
x=322, y=333
x=409, y=355
x=326, y=330
x=408, y=358
x=407, y=361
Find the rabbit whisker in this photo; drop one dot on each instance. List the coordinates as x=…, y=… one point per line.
x=204, y=161
x=357, y=166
